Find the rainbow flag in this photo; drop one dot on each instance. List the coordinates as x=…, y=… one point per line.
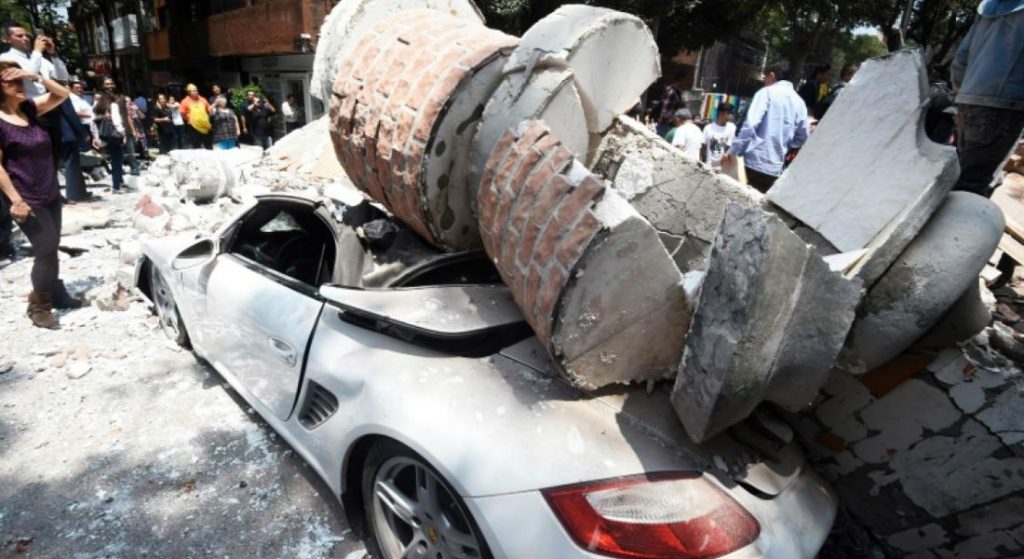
x=709, y=108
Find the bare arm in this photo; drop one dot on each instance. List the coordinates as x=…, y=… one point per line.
x=19, y=209
x=55, y=92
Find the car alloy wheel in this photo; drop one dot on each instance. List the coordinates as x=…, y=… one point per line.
x=166, y=309
x=413, y=513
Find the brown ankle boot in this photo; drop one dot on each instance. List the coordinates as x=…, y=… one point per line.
x=40, y=311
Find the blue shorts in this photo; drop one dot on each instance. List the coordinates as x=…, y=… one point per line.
x=226, y=144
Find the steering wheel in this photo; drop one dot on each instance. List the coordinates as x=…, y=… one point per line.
x=284, y=249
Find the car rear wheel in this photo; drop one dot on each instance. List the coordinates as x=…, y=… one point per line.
x=412, y=512
x=166, y=309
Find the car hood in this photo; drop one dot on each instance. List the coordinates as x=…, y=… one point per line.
x=759, y=454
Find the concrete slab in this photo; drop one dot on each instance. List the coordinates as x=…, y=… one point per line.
x=684, y=200
x=758, y=330
x=593, y=43
x=869, y=177
x=925, y=281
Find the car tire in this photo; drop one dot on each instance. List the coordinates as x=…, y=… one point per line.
x=407, y=503
x=166, y=309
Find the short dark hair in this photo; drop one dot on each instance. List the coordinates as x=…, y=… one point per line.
x=8, y=25
x=725, y=108
x=822, y=68
x=780, y=70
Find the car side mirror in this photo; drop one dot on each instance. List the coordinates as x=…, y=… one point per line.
x=199, y=253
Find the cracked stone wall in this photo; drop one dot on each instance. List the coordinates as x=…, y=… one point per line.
x=927, y=452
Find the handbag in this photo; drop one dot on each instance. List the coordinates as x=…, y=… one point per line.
x=108, y=132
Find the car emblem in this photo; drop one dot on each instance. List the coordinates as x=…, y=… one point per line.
x=433, y=535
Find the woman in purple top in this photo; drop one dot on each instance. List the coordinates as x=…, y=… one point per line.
x=28, y=181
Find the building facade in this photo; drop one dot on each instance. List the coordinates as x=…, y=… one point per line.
x=225, y=42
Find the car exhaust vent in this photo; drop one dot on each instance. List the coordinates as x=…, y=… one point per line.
x=320, y=405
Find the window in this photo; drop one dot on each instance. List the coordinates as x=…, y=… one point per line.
x=289, y=238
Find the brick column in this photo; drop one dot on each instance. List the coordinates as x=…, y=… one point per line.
x=391, y=96
x=573, y=254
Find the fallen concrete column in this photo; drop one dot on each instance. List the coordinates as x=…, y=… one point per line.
x=925, y=281
x=684, y=200
x=549, y=96
x=594, y=43
x=770, y=319
x=350, y=20
x=557, y=236
x=869, y=178
x=404, y=109
x=203, y=175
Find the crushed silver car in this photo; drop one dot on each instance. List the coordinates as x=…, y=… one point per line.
x=409, y=381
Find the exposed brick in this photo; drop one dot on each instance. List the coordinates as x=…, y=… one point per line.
x=551, y=192
x=571, y=247
x=579, y=200
x=547, y=299
x=902, y=368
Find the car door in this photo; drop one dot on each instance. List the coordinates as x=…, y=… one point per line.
x=259, y=321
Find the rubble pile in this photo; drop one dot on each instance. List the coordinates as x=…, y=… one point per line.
x=630, y=263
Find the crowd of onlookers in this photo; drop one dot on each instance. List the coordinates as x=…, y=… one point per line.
x=49, y=120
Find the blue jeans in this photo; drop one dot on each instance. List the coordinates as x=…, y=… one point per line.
x=74, y=182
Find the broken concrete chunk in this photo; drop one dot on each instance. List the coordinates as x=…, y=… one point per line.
x=925, y=281
x=594, y=43
x=549, y=96
x=350, y=20
x=869, y=178
x=684, y=200
x=405, y=108
x=769, y=322
x=203, y=175
x=573, y=254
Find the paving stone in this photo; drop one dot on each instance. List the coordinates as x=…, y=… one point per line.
x=918, y=539
x=1004, y=513
x=901, y=418
x=1005, y=417
x=853, y=200
x=949, y=474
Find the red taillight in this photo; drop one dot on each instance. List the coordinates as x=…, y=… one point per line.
x=656, y=516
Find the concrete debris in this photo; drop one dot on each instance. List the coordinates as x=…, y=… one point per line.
x=557, y=236
x=204, y=175
x=309, y=151
x=684, y=200
x=349, y=20
x=6, y=366
x=403, y=112
x=79, y=217
x=78, y=370
x=110, y=297
x=593, y=43
x=758, y=329
x=935, y=270
x=839, y=188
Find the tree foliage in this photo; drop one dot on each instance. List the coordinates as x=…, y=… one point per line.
x=799, y=31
